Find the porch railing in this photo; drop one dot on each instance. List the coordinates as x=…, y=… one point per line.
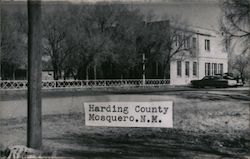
x=52, y=84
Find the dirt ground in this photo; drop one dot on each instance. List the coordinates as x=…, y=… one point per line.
x=207, y=124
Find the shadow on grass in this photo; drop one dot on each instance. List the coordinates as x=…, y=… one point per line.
x=148, y=143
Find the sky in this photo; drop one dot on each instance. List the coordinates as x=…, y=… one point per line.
x=202, y=13
x=198, y=13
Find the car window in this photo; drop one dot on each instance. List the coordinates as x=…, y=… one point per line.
x=206, y=78
x=228, y=77
x=212, y=77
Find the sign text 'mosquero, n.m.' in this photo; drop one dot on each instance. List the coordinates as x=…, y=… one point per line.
x=129, y=114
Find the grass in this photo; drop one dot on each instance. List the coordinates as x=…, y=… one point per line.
x=206, y=125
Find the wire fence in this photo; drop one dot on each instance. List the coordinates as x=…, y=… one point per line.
x=54, y=84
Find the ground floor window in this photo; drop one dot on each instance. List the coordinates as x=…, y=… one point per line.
x=220, y=70
x=194, y=68
x=207, y=69
x=178, y=68
x=187, y=68
x=214, y=68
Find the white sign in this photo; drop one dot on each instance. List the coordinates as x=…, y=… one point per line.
x=129, y=114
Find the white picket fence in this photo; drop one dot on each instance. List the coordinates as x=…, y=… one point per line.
x=54, y=84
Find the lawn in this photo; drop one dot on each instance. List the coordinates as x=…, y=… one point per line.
x=207, y=124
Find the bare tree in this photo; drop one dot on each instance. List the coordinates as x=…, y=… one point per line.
x=109, y=37
x=235, y=25
x=241, y=63
x=177, y=43
x=166, y=40
x=125, y=36
x=13, y=41
x=56, y=29
x=97, y=25
x=235, y=22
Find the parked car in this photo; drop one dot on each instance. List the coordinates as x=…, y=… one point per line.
x=214, y=81
x=230, y=76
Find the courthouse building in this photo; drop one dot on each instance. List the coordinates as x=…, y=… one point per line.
x=208, y=56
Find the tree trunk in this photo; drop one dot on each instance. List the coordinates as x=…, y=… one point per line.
x=242, y=77
x=87, y=75
x=59, y=74
x=166, y=70
x=156, y=70
x=34, y=121
x=111, y=71
x=95, y=72
x=87, y=72
x=55, y=71
x=13, y=73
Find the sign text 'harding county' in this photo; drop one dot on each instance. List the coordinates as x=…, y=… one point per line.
x=129, y=114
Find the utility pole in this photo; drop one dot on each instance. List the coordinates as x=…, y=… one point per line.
x=34, y=128
x=0, y=38
x=143, y=69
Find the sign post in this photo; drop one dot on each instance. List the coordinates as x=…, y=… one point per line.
x=34, y=128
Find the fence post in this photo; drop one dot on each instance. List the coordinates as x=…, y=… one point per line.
x=143, y=69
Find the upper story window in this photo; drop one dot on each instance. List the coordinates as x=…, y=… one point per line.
x=193, y=42
x=227, y=44
x=186, y=42
x=207, y=44
x=176, y=40
x=180, y=40
x=178, y=68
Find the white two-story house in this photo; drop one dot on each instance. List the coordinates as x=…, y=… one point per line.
x=208, y=57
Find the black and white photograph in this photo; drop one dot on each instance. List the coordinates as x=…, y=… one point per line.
x=132, y=79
